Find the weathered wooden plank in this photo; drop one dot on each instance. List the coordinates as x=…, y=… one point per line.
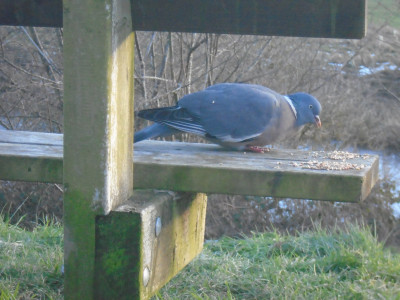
x=307, y=18
x=31, y=138
x=98, y=126
x=24, y=162
x=279, y=173
x=31, y=156
x=41, y=13
x=210, y=169
x=147, y=241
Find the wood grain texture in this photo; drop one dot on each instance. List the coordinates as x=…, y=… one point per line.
x=98, y=100
x=41, y=13
x=306, y=18
x=31, y=156
x=210, y=169
x=31, y=138
x=98, y=128
x=127, y=242
x=278, y=173
x=303, y=18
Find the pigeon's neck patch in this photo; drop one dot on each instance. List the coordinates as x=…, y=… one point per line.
x=289, y=101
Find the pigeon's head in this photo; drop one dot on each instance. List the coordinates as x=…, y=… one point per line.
x=307, y=108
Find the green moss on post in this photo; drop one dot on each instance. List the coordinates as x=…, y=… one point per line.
x=98, y=128
x=146, y=242
x=118, y=256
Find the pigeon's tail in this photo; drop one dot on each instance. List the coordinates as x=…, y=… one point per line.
x=153, y=131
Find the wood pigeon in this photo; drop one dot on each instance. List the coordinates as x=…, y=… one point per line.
x=234, y=115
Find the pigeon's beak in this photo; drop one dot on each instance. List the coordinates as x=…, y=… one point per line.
x=318, y=121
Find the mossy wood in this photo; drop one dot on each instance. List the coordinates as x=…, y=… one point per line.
x=206, y=168
x=98, y=128
x=311, y=18
x=146, y=241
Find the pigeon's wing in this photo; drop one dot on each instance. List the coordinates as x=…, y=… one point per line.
x=175, y=117
x=233, y=112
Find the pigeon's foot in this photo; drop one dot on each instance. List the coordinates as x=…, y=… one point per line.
x=258, y=149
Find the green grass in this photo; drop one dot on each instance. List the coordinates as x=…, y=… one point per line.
x=317, y=265
x=347, y=264
x=30, y=262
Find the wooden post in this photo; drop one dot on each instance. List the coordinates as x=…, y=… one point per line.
x=98, y=124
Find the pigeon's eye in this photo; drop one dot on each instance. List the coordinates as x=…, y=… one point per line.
x=310, y=106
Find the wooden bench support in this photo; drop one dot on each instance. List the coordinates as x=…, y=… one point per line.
x=208, y=168
x=98, y=128
x=146, y=241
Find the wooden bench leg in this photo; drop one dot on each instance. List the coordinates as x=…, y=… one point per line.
x=98, y=128
x=146, y=241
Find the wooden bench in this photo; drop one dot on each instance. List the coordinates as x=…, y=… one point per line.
x=121, y=244
x=206, y=168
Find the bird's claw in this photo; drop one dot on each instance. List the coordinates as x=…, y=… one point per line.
x=258, y=149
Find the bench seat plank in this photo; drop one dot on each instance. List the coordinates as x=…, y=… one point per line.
x=31, y=138
x=207, y=168
x=31, y=156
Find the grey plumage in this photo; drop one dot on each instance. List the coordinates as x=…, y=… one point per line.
x=234, y=115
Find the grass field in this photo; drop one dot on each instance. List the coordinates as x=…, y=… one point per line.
x=347, y=264
x=317, y=265
x=30, y=262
